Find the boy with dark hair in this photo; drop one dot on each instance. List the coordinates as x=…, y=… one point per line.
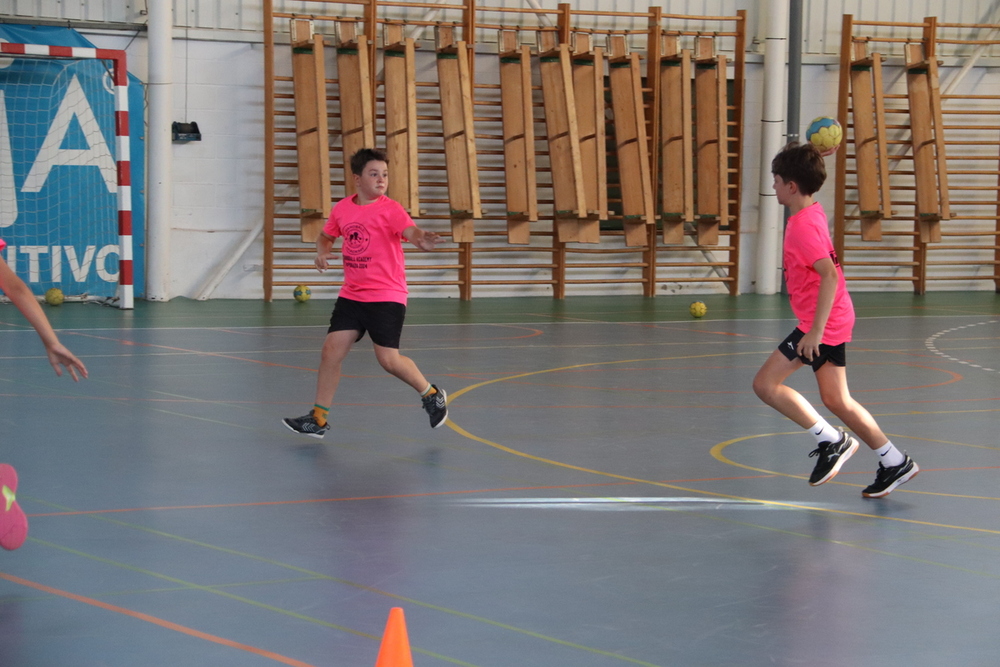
x=373, y=297
x=819, y=299
x=13, y=522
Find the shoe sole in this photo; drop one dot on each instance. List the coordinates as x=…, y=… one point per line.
x=840, y=462
x=445, y=396
x=902, y=480
x=318, y=436
x=13, y=522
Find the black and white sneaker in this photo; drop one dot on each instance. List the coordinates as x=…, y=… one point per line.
x=306, y=425
x=832, y=455
x=887, y=479
x=436, y=406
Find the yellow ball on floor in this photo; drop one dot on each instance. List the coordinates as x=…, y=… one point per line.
x=698, y=309
x=302, y=293
x=54, y=296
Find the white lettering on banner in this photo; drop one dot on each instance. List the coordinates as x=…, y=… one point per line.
x=56, y=264
x=8, y=193
x=102, y=263
x=79, y=268
x=33, y=251
x=73, y=105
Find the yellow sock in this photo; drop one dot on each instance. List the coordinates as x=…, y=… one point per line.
x=430, y=391
x=320, y=414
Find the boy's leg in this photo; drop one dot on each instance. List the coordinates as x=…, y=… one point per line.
x=832, y=381
x=336, y=345
x=402, y=367
x=335, y=348
x=837, y=398
x=769, y=386
x=434, y=398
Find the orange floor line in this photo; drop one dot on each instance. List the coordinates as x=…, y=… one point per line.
x=156, y=621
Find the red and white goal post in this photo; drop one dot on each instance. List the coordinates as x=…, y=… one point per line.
x=80, y=266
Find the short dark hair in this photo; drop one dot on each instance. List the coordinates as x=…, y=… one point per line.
x=801, y=163
x=364, y=156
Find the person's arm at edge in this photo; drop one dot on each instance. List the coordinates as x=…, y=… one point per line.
x=829, y=278
x=21, y=296
x=324, y=246
x=421, y=238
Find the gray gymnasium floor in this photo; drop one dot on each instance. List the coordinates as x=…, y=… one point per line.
x=609, y=491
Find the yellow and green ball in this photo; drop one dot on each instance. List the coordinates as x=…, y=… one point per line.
x=54, y=296
x=302, y=293
x=698, y=309
x=824, y=133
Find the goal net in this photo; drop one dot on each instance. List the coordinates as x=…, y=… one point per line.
x=65, y=184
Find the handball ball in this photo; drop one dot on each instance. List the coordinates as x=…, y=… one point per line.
x=698, y=309
x=302, y=293
x=824, y=133
x=54, y=296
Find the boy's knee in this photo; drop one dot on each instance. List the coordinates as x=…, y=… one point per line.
x=763, y=388
x=388, y=359
x=835, y=404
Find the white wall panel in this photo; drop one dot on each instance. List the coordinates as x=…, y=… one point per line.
x=97, y=11
x=822, y=19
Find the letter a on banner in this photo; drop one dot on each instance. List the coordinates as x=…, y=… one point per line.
x=97, y=154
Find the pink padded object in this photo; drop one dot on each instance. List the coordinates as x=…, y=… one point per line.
x=13, y=522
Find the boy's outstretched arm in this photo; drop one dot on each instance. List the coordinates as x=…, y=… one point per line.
x=20, y=295
x=421, y=238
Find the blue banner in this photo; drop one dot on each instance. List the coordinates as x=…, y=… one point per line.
x=58, y=177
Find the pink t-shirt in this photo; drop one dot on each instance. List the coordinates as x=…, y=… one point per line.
x=372, y=250
x=807, y=240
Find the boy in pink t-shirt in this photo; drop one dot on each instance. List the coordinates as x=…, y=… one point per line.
x=373, y=297
x=820, y=301
x=13, y=522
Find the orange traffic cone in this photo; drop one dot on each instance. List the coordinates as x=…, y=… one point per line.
x=395, y=649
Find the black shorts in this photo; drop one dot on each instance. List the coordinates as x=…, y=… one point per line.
x=835, y=354
x=383, y=320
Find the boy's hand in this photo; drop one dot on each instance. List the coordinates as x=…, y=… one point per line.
x=808, y=347
x=427, y=240
x=829, y=151
x=421, y=238
x=322, y=262
x=59, y=356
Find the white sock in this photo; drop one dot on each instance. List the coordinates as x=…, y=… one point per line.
x=889, y=456
x=823, y=432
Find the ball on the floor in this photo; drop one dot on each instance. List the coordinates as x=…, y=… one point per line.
x=698, y=309
x=54, y=296
x=302, y=293
x=824, y=133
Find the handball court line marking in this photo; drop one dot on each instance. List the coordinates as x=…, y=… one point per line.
x=188, y=585
x=169, y=625
x=461, y=431
x=931, y=344
x=389, y=497
x=324, y=577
